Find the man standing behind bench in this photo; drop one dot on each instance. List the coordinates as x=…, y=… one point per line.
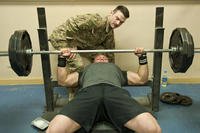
x=89, y=31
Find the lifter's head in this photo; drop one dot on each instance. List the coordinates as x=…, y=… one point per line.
x=101, y=58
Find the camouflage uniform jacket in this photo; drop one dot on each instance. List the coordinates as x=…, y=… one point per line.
x=89, y=31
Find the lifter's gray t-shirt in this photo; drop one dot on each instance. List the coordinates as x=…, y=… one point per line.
x=97, y=73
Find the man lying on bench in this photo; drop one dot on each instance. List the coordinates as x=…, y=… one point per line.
x=101, y=98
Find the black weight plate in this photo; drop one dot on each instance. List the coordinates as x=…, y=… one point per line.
x=183, y=41
x=21, y=62
x=170, y=98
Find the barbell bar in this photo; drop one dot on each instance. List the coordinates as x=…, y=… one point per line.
x=181, y=51
x=101, y=51
x=30, y=51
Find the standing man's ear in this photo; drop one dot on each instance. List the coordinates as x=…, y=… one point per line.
x=111, y=13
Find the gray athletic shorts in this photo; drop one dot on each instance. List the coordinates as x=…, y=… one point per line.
x=102, y=102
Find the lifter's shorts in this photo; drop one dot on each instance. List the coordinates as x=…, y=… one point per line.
x=102, y=102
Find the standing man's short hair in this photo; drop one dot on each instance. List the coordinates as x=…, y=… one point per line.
x=123, y=9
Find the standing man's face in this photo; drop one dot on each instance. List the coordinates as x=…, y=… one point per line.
x=116, y=19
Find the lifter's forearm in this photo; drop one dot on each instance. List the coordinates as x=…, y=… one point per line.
x=141, y=77
x=61, y=71
x=61, y=75
x=66, y=78
x=143, y=70
x=143, y=73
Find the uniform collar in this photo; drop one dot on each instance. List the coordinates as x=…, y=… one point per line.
x=108, y=27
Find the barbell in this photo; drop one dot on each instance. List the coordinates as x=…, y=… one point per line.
x=181, y=51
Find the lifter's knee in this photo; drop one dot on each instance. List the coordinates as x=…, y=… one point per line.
x=144, y=123
x=62, y=124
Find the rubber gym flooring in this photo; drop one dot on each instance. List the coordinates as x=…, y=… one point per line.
x=21, y=104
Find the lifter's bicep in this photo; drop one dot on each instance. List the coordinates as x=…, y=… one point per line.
x=133, y=78
x=71, y=80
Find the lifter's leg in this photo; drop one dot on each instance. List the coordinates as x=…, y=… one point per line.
x=62, y=124
x=143, y=123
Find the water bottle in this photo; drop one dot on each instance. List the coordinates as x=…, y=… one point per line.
x=164, y=78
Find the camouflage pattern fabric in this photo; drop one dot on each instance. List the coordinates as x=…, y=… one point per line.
x=89, y=31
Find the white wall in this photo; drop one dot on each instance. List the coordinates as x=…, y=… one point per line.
x=138, y=31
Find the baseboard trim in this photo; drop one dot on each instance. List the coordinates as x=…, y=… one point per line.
x=184, y=80
x=21, y=81
x=24, y=81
